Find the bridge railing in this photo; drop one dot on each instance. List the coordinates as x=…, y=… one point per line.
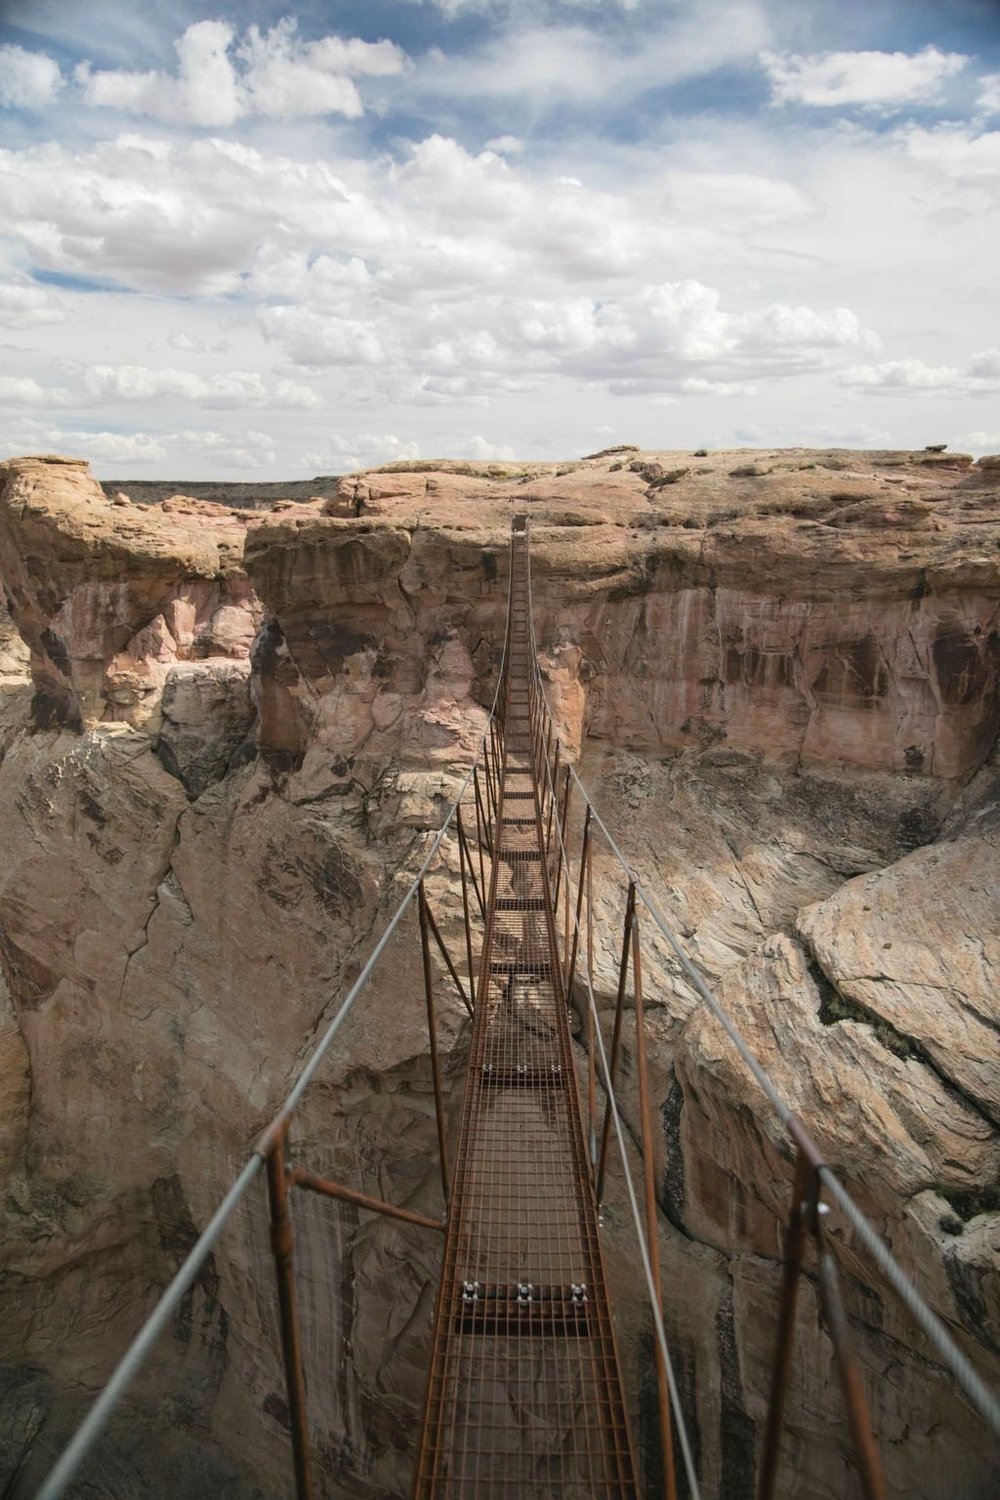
x=821, y=1215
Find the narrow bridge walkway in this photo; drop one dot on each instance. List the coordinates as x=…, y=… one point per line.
x=524, y=1395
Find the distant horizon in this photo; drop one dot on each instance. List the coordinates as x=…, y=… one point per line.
x=314, y=238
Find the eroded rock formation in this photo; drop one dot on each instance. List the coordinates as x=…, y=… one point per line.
x=225, y=737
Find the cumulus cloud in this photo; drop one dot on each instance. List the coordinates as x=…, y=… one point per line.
x=175, y=448
x=111, y=385
x=220, y=78
x=24, y=390
x=252, y=450
x=367, y=450
x=871, y=80
x=28, y=80
x=981, y=377
x=978, y=442
x=483, y=449
x=99, y=447
x=988, y=102
x=506, y=145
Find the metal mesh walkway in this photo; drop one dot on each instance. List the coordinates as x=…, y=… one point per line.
x=524, y=1396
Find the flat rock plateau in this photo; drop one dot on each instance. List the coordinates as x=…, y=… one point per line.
x=227, y=734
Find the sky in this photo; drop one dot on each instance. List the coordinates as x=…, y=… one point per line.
x=269, y=242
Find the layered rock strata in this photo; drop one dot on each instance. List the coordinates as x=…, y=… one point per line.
x=225, y=738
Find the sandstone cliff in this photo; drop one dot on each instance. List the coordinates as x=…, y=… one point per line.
x=779, y=671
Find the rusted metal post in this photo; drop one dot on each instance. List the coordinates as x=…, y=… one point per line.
x=480, y=820
x=591, y=1054
x=282, y=1247
x=561, y=841
x=425, y=948
x=584, y=852
x=652, y=1235
x=551, y=786
x=465, y=907
x=463, y=843
x=436, y=934
x=869, y=1464
x=804, y=1190
x=616, y=1037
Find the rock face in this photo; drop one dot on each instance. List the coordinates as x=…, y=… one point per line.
x=225, y=737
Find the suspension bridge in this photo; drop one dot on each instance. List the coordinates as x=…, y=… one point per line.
x=526, y=1397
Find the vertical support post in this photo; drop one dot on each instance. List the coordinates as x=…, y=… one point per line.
x=584, y=854
x=482, y=828
x=551, y=785
x=591, y=1054
x=466, y=918
x=282, y=1247
x=804, y=1191
x=559, y=851
x=425, y=948
x=869, y=1465
x=463, y=843
x=652, y=1237
x=489, y=769
x=616, y=1037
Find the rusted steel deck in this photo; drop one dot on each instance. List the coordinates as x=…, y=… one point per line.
x=524, y=1395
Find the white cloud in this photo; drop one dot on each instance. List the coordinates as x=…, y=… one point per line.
x=988, y=102
x=187, y=344
x=236, y=388
x=506, y=145
x=368, y=450
x=225, y=449
x=247, y=449
x=981, y=377
x=954, y=150
x=220, y=79
x=103, y=446
x=24, y=390
x=290, y=393
x=323, y=339
x=873, y=80
x=803, y=331
x=977, y=442
x=483, y=449
x=25, y=305
x=111, y=385
x=697, y=385
x=549, y=65
x=28, y=80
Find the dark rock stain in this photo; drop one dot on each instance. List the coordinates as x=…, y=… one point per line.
x=178, y=1234
x=961, y=665
x=736, y=1428
x=854, y=673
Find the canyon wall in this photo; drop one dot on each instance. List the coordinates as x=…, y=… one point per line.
x=226, y=738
